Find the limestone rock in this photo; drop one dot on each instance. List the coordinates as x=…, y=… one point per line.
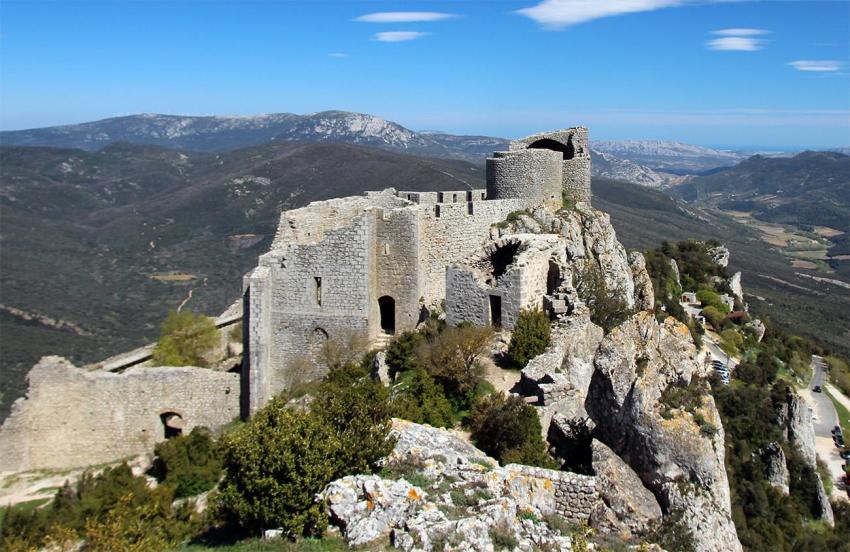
x=466, y=502
x=735, y=286
x=775, y=466
x=380, y=369
x=623, y=492
x=644, y=294
x=675, y=267
x=720, y=255
x=681, y=466
x=759, y=328
x=797, y=416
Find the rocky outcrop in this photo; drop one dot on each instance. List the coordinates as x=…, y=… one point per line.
x=461, y=498
x=758, y=326
x=679, y=457
x=674, y=266
x=775, y=466
x=633, y=506
x=720, y=255
x=560, y=376
x=644, y=294
x=735, y=286
x=380, y=369
x=796, y=419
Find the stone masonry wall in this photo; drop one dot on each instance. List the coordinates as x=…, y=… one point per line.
x=576, y=160
x=576, y=496
x=72, y=417
x=397, y=262
x=532, y=174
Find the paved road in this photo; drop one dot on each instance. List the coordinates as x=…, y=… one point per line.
x=827, y=418
x=717, y=353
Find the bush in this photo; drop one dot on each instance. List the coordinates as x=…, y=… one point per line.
x=509, y=430
x=731, y=342
x=114, y=498
x=278, y=461
x=452, y=359
x=418, y=398
x=186, y=339
x=189, y=464
x=401, y=354
x=529, y=338
x=839, y=373
x=608, y=309
x=274, y=465
x=713, y=316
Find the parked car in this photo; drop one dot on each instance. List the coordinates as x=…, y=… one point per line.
x=836, y=430
x=845, y=454
x=839, y=441
x=816, y=389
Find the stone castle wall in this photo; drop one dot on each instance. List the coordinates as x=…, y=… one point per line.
x=531, y=174
x=575, y=149
x=72, y=417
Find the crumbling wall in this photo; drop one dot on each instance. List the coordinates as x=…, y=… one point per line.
x=576, y=165
x=71, y=417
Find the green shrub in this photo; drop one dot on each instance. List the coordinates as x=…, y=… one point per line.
x=608, y=309
x=401, y=354
x=274, y=466
x=186, y=339
x=509, y=430
x=731, y=342
x=189, y=464
x=278, y=461
x=418, y=398
x=529, y=338
x=839, y=373
x=713, y=316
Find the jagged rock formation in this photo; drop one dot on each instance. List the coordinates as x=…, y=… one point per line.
x=720, y=255
x=775, y=466
x=796, y=420
x=644, y=294
x=735, y=286
x=680, y=463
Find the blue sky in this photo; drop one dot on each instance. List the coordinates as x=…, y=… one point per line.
x=727, y=73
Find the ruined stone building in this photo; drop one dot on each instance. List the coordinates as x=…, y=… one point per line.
x=378, y=263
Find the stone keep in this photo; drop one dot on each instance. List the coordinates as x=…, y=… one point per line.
x=376, y=264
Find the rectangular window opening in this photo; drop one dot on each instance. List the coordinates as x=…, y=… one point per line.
x=437, y=211
x=318, y=282
x=469, y=208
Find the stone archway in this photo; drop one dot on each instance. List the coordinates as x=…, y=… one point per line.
x=172, y=424
x=567, y=150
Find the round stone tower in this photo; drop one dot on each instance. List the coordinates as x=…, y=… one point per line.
x=531, y=174
x=572, y=146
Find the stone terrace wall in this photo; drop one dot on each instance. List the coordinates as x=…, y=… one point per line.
x=73, y=417
x=576, y=496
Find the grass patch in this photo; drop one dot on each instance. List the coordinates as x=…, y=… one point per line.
x=326, y=544
x=843, y=414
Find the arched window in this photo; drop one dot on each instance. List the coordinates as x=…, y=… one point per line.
x=386, y=305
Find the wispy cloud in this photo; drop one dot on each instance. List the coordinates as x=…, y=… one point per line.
x=737, y=39
x=740, y=32
x=820, y=66
x=403, y=17
x=557, y=14
x=338, y=55
x=735, y=43
x=398, y=36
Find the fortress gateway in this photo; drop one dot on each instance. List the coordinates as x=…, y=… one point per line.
x=379, y=263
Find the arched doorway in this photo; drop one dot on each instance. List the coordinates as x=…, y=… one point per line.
x=567, y=150
x=386, y=305
x=172, y=424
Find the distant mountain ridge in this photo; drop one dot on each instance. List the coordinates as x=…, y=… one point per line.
x=668, y=155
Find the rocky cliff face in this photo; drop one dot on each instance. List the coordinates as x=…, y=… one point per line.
x=656, y=460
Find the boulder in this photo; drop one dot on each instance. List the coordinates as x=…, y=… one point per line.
x=719, y=255
x=380, y=369
x=633, y=506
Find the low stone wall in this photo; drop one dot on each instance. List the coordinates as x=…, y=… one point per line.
x=71, y=417
x=576, y=496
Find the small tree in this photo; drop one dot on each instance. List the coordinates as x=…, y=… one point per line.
x=452, y=359
x=529, y=338
x=186, y=340
x=509, y=430
x=401, y=354
x=608, y=309
x=348, y=347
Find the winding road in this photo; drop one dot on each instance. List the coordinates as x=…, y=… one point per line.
x=825, y=419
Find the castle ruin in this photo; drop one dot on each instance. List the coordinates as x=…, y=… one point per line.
x=377, y=263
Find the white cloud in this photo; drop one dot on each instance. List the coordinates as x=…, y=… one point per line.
x=740, y=32
x=398, y=36
x=338, y=55
x=821, y=66
x=735, y=43
x=403, y=17
x=557, y=14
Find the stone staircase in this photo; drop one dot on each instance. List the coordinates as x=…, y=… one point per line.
x=382, y=341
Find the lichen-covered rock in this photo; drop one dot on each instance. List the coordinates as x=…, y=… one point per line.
x=633, y=506
x=463, y=500
x=735, y=286
x=775, y=466
x=644, y=294
x=677, y=459
x=380, y=369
